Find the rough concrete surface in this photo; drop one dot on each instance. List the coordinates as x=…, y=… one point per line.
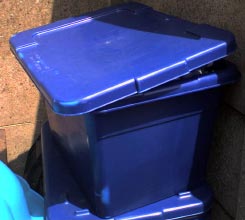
x=241, y=190
x=218, y=213
x=3, y=147
x=225, y=157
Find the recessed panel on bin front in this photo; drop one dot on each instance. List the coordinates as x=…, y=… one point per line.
x=142, y=159
x=64, y=199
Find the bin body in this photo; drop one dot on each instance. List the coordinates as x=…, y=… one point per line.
x=130, y=99
x=145, y=148
x=139, y=154
x=64, y=199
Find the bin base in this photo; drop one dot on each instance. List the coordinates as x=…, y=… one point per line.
x=65, y=201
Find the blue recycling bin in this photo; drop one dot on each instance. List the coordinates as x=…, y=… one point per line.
x=131, y=98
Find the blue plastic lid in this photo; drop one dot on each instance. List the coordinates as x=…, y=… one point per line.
x=83, y=63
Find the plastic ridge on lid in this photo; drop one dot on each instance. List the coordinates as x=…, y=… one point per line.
x=83, y=63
